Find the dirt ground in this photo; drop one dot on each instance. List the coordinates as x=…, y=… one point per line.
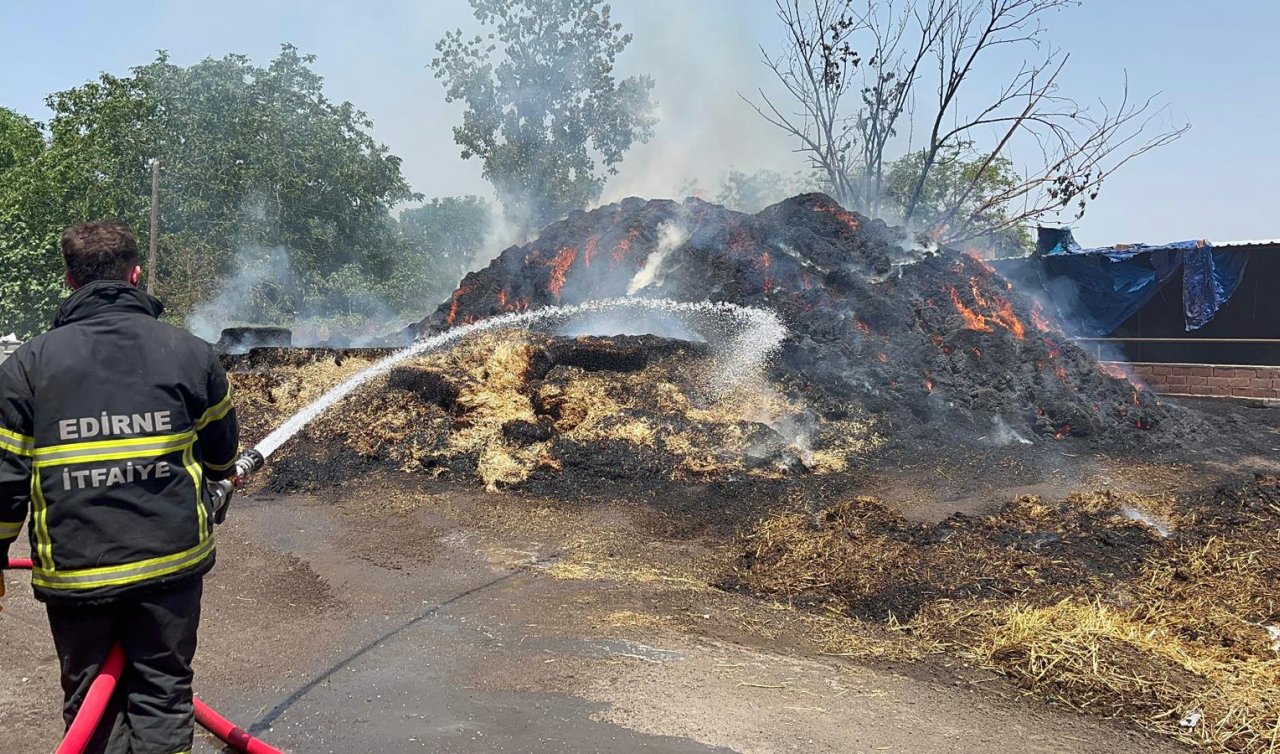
x=394, y=614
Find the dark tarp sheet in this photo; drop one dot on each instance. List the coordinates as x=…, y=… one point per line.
x=1112, y=283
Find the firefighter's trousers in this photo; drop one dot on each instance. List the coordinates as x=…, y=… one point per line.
x=151, y=710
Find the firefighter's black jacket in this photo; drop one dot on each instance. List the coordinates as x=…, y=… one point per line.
x=109, y=425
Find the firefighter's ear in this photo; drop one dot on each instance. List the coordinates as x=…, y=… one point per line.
x=135, y=275
x=71, y=282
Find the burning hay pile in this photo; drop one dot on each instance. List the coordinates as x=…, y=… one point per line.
x=931, y=341
x=1084, y=601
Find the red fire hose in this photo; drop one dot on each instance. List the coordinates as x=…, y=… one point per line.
x=95, y=703
x=235, y=737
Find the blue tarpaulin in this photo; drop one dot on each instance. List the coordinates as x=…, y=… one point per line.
x=1112, y=283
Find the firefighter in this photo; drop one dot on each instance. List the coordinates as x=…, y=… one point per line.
x=110, y=425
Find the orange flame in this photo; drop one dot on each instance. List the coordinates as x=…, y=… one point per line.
x=1062, y=432
x=1061, y=371
x=977, y=352
x=589, y=250
x=977, y=293
x=764, y=263
x=972, y=319
x=1112, y=369
x=883, y=359
x=453, y=303
x=1005, y=316
x=862, y=326
x=508, y=304
x=1038, y=319
x=624, y=246
x=928, y=382
x=1001, y=310
x=841, y=214
x=559, y=265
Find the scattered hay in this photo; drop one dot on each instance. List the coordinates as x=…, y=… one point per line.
x=1075, y=600
x=499, y=406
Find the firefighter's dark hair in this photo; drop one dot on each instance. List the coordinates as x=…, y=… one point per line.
x=99, y=250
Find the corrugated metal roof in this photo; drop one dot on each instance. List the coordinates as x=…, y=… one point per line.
x=1235, y=244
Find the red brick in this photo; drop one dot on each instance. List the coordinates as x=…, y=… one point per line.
x=1202, y=371
x=1193, y=380
x=1275, y=384
x=1239, y=382
x=1218, y=390
x=1219, y=381
x=1259, y=382
x=1161, y=370
x=1181, y=379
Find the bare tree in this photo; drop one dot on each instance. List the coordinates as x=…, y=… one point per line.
x=857, y=75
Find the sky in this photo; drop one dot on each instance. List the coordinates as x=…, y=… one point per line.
x=1214, y=65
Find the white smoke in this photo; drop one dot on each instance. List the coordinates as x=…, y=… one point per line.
x=259, y=271
x=1146, y=519
x=671, y=235
x=1002, y=434
x=701, y=55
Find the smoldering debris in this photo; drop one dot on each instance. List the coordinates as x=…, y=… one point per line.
x=1123, y=605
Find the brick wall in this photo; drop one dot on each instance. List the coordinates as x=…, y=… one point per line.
x=1208, y=379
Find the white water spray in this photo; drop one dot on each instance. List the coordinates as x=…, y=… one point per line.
x=744, y=337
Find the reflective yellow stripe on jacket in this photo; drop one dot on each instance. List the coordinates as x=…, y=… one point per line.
x=9, y=530
x=217, y=411
x=113, y=450
x=91, y=578
x=15, y=443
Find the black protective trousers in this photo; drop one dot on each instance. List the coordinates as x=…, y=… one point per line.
x=151, y=710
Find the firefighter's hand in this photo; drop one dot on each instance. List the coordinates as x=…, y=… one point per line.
x=221, y=495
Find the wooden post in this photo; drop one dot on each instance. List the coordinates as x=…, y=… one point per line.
x=155, y=222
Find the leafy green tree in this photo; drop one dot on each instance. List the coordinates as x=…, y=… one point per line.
x=21, y=140
x=251, y=158
x=544, y=111
x=440, y=242
x=962, y=187
x=29, y=210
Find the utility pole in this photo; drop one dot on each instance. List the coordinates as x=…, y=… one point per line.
x=155, y=222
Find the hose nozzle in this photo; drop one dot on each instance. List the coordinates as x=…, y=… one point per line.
x=249, y=462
